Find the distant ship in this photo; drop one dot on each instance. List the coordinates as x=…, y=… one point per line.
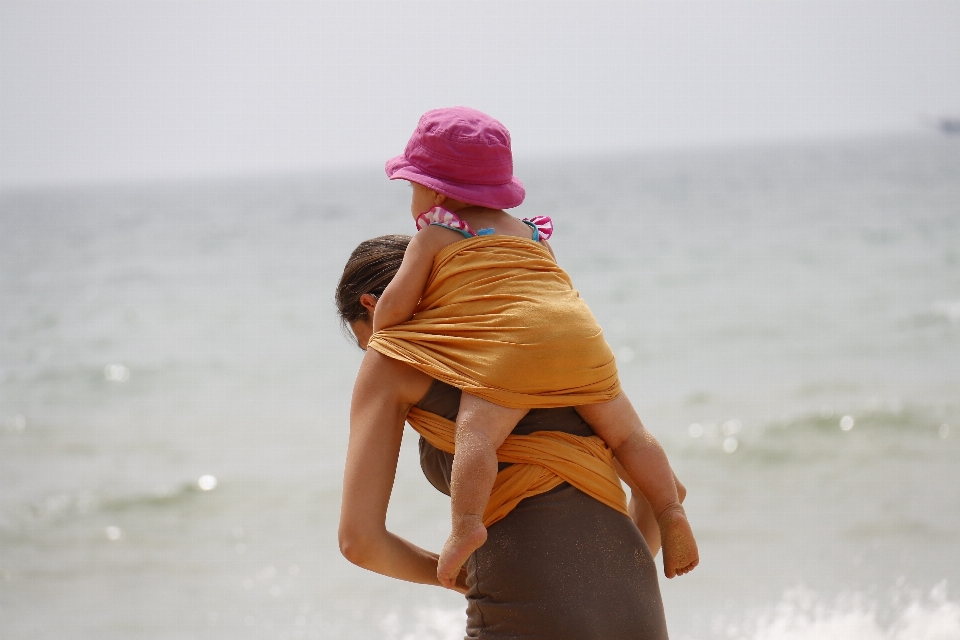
x=949, y=126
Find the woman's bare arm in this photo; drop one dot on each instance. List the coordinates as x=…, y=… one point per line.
x=383, y=393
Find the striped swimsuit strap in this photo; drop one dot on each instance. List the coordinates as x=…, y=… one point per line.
x=542, y=226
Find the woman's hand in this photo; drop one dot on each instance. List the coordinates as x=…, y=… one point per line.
x=461, y=584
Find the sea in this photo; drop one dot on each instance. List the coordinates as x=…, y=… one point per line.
x=174, y=392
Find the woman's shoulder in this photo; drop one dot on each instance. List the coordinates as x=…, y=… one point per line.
x=405, y=383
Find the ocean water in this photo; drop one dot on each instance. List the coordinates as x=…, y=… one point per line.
x=174, y=388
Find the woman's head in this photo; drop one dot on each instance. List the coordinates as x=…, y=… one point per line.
x=463, y=154
x=368, y=271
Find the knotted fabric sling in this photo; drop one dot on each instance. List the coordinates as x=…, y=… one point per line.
x=501, y=320
x=541, y=461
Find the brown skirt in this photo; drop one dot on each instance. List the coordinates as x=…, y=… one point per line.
x=561, y=565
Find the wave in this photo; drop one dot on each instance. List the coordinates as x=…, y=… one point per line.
x=804, y=615
x=879, y=429
x=433, y=623
x=63, y=506
x=940, y=312
x=801, y=614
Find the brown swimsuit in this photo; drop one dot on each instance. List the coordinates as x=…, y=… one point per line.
x=561, y=565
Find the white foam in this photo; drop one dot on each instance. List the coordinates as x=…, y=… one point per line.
x=802, y=615
x=430, y=624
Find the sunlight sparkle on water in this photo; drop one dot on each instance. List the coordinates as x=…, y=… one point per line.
x=116, y=373
x=730, y=444
x=846, y=423
x=207, y=483
x=113, y=533
x=944, y=431
x=17, y=423
x=696, y=430
x=731, y=427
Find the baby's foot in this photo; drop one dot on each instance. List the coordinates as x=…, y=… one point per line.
x=680, y=553
x=467, y=536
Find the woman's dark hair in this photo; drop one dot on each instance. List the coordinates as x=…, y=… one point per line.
x=371, y=267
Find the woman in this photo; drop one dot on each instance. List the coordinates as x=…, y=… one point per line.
x=559, y=565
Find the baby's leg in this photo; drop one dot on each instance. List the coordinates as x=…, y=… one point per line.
x=644, y=460
x=481, y=428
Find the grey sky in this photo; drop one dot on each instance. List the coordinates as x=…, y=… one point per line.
x=103, y=91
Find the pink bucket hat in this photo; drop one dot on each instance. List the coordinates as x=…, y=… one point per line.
x=463, y=154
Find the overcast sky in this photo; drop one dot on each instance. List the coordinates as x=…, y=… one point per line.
x=134, y=90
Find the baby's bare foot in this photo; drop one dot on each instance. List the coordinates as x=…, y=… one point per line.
x=467, y=536
x=680, y=553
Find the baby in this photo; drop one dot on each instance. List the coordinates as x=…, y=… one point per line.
x=459, y=165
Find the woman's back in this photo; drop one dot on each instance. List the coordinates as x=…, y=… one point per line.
x=561, y=564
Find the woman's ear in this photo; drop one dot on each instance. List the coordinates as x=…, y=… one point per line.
x=369, y=302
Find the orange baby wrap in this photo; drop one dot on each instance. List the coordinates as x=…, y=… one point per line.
x=501, y=320
x=541, y=461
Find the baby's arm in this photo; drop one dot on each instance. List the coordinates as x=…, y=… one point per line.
x=402, y=295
